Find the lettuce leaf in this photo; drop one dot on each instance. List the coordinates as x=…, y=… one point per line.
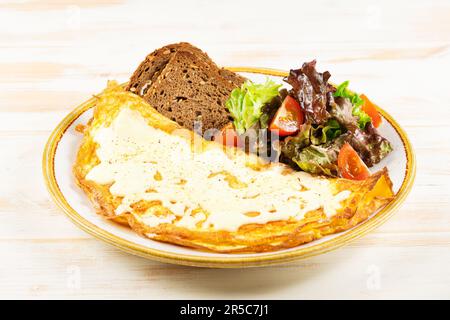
x=312, y=91
x=369, y=144
x=246, y=103
x=341, y=110
x=332, y=130
x=324, y=133
x=314, y=150
x=321, y=159
x=293, y=145
x=363, y=118
x=316, y=159
x=343, y=91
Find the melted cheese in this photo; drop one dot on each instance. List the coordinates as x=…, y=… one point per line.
x=207, y=189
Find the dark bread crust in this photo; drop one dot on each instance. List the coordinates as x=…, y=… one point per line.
x=149, y=69
x=185, y=85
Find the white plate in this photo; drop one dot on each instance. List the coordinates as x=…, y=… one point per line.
x=59, y=156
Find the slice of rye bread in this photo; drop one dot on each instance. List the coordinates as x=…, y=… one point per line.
x=190, y=89
x=185, y=85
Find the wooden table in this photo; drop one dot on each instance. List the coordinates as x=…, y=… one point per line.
x=55, y=54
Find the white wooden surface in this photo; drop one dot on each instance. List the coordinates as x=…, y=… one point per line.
x=55, y=54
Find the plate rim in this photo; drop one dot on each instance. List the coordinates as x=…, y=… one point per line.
x=255, y=260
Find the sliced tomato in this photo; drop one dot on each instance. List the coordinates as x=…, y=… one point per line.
x=371, y=110
x=288, y=118
x=350, y=164
x=228, y=136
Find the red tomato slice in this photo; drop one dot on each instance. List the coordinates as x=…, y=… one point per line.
x=350, y=164
x=288, y=118
x=369, y=108
x=228, y=136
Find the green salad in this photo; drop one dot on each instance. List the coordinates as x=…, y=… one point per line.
x=318, y=127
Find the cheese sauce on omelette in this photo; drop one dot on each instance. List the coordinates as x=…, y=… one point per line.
x=207, y=189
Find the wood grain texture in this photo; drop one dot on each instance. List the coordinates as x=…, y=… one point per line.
x=56, y=54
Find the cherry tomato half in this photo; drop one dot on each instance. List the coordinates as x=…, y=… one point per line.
x=288, y=118
x=350, y=164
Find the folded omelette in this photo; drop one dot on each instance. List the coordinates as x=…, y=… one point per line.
x=169, y=184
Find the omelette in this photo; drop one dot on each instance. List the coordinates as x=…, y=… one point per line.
x=168, y=184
